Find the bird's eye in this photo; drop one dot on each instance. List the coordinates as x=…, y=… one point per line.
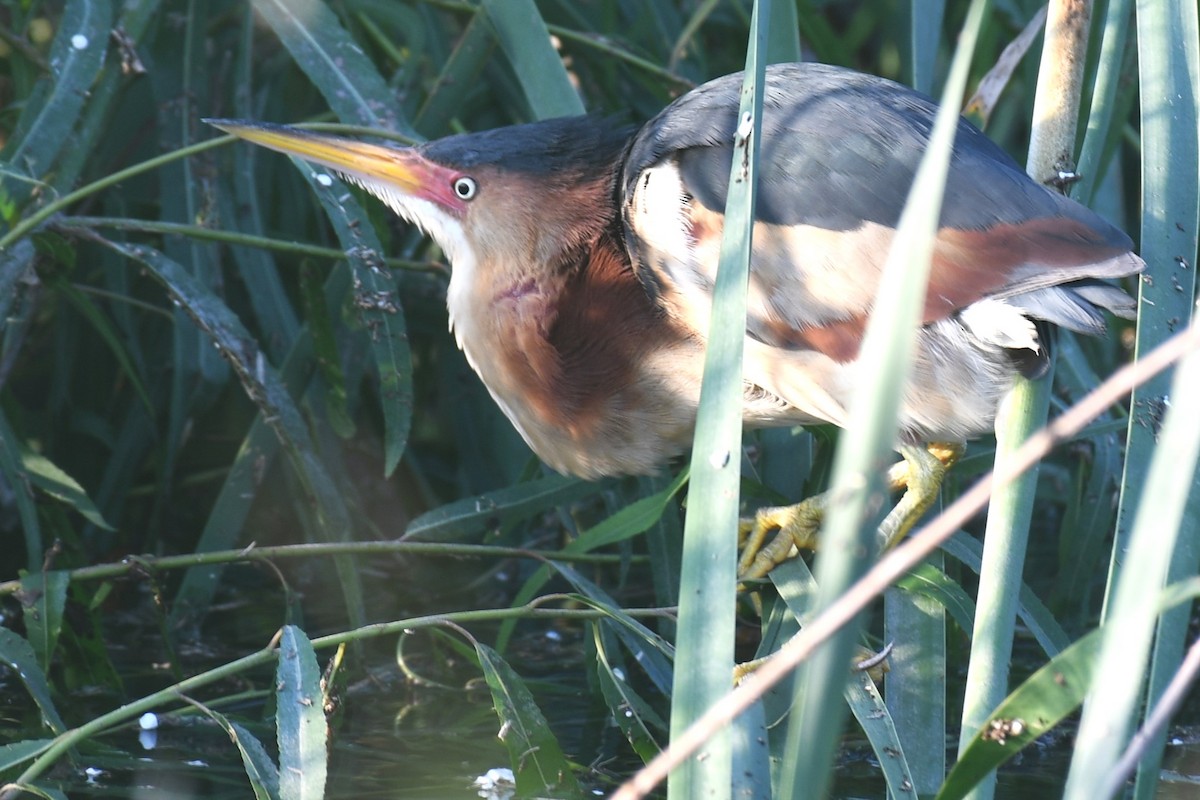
x=465, y=187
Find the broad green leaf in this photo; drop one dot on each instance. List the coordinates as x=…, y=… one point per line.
x=17, y=654
x=47, y=476
x=1035, y=707
x=43, y=597
x=537, y=760
x=299, y=719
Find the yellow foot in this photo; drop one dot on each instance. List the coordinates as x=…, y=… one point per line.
x=795, y=527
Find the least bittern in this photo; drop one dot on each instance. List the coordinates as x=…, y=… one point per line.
x=584, y=255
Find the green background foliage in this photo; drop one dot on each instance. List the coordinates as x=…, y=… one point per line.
x=227, y=382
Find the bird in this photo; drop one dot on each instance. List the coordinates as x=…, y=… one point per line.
x=583, y=257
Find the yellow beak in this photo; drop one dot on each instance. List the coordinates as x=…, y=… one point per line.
x=399, y=169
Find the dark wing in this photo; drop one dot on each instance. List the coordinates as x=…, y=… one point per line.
x=839, y=152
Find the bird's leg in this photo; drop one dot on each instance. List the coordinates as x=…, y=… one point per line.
x=919, y=474
x=923, y=470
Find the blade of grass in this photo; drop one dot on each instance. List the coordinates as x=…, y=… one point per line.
x=800, y=591
x=14, y=474
x=376, y=306
x=256, y=266
x=706, y=593
x=264, y=387
x=523, y=37
x=473, y=515
x=20, y=657
x=915, y=621
x=1051, y=149
x=48, y=119
x=1129, y=628
x=1158, y=542
x=334, y=63
x=459, y=74
x=1100, y=125
x=630, y=521
x=883, y=364
x=1169, y=233
x=924, y=34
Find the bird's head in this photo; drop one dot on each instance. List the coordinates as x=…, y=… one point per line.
x=503, y=204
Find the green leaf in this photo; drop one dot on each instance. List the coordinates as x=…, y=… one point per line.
x=632, y=520
x=14, y=474
x=16, y=653
x=334, y=63
x=928, y=581
x=43, y=597
x=260, y=770
x=49, y=115
x=16, y=267
x=1030, y=610
x=47, y=476
x=637, y=719
x=884, y=358
x=261, y=382
x=299, y=719
x=799, y=590
x=473, y=515
x=537, y=760
x=1035, y=707
x=375, y=303
x=873, y=716
x=43, y=791
x=325, y=348
x=524, y=39
x=17, y=753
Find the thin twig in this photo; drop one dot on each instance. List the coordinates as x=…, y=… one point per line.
x=899, y=561
x=326, y=550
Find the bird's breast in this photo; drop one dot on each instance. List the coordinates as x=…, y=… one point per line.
x=590, y=371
